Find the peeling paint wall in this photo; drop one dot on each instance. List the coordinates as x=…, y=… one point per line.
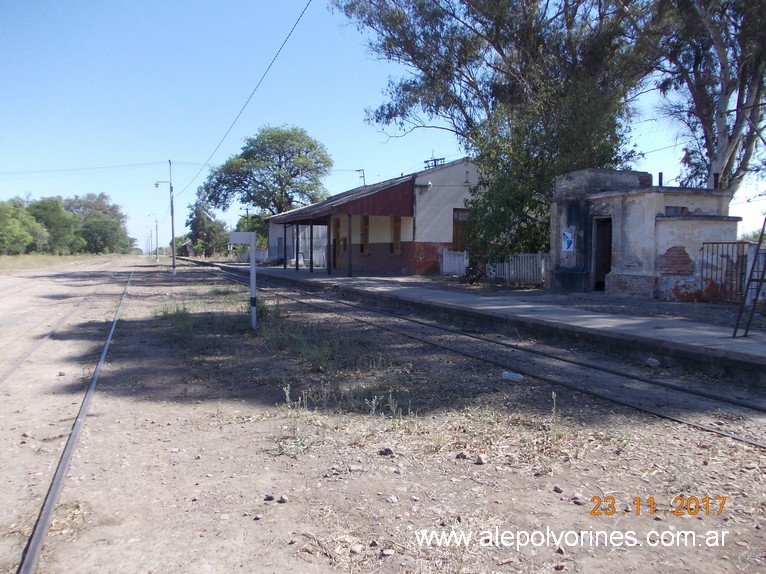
x=656, y=233
x=679, y=253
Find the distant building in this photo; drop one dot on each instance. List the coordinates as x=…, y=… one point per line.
x=614, y=231
x=395, y=227
x=186, y=249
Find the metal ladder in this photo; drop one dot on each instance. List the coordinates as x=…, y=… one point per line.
x=755, y=280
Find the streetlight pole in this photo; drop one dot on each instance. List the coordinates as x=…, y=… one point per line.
x=157, y=245
x=157, y=236
x=172, y=216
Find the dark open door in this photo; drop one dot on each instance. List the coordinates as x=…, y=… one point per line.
x=603, y=253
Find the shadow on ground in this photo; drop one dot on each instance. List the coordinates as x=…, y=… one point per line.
x=187, y=339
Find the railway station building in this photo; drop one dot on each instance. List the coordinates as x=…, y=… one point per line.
x=394, y=227
x=614, y=231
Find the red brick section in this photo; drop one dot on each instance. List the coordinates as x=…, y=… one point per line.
x=675, y=261
x=644, y=180
x=427, y=258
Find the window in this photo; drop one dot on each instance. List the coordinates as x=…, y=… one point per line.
x=676, y=211
x=364, y=238
x=459, y=229
x=396, y=235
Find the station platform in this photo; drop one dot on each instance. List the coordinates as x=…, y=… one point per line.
x=692, y=335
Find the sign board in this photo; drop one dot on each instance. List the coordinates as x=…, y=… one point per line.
x=248, y=237
x=237, y=237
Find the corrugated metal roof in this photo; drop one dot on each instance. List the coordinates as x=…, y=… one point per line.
x=330, y=206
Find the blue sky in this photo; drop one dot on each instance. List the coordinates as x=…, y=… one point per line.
x=98, y=96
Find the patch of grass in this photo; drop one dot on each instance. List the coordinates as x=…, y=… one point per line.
x=299, y=433
x=274, y=326
x=318, y=346
x=222, y=291
x=318, y=355
x=180, y=323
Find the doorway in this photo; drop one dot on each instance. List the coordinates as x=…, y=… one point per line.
x=602, y=258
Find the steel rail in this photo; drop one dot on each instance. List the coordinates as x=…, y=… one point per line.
x=537, y=375
x=31, y=551
x=509, y=345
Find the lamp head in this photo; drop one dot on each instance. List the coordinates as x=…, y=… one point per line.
x=156, y=184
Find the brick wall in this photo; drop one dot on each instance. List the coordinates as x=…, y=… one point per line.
x=675, y=261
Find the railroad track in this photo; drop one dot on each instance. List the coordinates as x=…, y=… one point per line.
x=48, y=441
x=58, y=310
x=741, y=417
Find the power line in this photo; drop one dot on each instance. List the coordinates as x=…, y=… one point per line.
x=79, y=169
x=258, y=85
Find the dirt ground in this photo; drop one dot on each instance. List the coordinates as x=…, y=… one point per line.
x=321, y=446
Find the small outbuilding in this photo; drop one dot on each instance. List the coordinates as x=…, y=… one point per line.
x=396, y=227
x=614, y=231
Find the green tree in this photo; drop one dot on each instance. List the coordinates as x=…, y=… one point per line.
x=208, y=235
x=531, y=88
x=277, y=170
x=751, y=235
x=711, y=60
x=92, y=205
x=62, y=226
x=103, y=225
x=104, y=235
x=19, y=231
x=258, y=224
x=14, y=237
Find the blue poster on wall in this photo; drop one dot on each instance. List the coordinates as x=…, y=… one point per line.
x=567, y=241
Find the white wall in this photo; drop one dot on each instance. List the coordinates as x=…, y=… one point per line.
x=449, y=189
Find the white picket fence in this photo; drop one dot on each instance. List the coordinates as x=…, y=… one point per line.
x=453, y=263
x=521, y=268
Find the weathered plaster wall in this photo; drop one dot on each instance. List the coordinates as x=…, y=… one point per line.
x=657, y=233
x=636, y=253
x=679, y=253
x=570, y=245
x=594, y=180
x=380, y=229
x=433, y=207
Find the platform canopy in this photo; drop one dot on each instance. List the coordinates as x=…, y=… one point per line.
x=393, y=197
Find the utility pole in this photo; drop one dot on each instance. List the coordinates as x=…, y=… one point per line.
x=172, y=219
x=157, y=245
x=172, y=216
x=157, y=238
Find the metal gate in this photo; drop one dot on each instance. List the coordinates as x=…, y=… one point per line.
x=724, y=270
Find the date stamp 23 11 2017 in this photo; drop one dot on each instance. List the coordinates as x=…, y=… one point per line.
x=680, y=506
